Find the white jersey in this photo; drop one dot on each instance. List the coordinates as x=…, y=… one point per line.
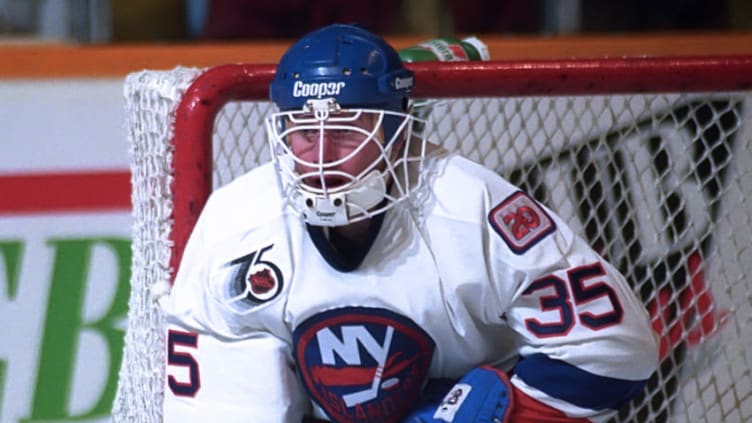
x=263, y=327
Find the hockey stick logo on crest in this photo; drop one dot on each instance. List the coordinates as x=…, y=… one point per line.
x=362, y=364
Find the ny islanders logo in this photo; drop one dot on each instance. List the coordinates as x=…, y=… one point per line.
x=363, y=364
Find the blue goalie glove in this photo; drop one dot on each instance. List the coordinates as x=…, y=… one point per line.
x=483, y=395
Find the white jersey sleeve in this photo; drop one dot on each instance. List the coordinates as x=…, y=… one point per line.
x=211, y=379
x=586, y=341
x=218, y=369
x=583, y=343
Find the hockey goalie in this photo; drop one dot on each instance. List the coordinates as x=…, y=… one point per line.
x=367, y=275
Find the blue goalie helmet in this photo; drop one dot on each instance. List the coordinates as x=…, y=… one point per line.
x=345, y=62
x=342, y=140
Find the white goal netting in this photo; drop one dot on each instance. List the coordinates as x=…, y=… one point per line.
x=657, y=182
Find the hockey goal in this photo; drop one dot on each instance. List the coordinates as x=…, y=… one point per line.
x=650, y=159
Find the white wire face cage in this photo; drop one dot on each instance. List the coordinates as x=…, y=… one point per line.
x=369, y=174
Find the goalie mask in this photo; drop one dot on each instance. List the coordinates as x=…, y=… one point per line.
x=340, y=141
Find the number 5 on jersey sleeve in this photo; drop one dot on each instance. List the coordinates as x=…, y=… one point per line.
x=565, y=296
x=177, y=344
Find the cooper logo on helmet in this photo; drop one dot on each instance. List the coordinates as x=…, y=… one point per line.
x=316, y=89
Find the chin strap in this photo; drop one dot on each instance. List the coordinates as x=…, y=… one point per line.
x=339, y=209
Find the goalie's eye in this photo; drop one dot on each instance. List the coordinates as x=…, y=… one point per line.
x=310, y=134
x=340, y=136
x=340, y=133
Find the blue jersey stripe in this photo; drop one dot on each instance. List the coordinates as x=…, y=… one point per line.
x=574, y=385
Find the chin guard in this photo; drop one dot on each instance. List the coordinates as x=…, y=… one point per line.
x=336, y=209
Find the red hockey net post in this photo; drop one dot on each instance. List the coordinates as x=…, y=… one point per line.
x=648, y=158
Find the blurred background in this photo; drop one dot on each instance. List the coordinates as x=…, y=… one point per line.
x=65, y=182
x=120, y=21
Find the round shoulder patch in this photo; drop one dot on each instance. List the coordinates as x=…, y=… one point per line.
x=363, y=364
x=253, y=279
